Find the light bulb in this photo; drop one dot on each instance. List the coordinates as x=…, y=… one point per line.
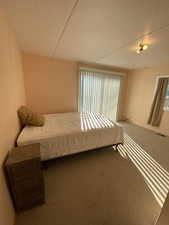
x=141, y=48
x=145, y=47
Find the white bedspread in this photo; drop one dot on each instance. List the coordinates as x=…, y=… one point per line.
x=68, y=133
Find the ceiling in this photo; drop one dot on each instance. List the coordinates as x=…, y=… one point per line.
x=99, y=31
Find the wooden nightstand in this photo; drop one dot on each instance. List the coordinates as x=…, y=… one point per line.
x=25, y=176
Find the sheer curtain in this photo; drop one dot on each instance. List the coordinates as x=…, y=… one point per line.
x=99, y=93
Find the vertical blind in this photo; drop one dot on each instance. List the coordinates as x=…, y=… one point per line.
x=99, y=93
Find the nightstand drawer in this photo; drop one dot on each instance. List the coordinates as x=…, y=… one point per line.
x=29, y=200
x=30, y=193
x=25, y=177
x=28, y=184
x=24, y=169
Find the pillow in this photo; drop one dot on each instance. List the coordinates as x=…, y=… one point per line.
x=27, y=117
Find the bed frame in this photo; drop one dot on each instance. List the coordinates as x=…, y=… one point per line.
x=45, y=163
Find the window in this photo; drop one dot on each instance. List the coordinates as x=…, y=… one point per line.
x=166, y=103
x=99, y=92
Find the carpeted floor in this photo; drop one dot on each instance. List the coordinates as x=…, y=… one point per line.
x=149, y=153
x=103, y=187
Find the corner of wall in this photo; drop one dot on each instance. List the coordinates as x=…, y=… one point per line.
x=12, y=95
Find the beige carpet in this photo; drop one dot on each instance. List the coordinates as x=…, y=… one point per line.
x=149, y=153
x=98, y=188
x=155, y=145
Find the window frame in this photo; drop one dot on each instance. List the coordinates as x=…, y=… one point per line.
x=157, y=79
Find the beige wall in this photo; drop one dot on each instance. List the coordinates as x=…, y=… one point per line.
x=140, y=90
x=11, y=97
x=52, y=84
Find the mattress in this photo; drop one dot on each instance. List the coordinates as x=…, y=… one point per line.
x=68, y=133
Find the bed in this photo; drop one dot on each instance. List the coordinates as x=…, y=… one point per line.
x=68, y=133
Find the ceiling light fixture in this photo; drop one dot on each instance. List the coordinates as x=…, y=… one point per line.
x=141, y=48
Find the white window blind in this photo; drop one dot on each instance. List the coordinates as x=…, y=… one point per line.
x=99, y=93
